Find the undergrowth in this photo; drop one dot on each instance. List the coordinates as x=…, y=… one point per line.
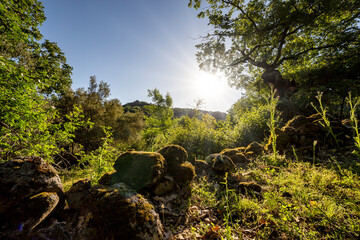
x=297, y=201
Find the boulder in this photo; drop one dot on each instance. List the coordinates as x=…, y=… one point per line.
x=236, y=155
x=174, y=155
x=164, y=186
x=31, y=190
x=301, y=132
x=201, y=168
x=121, y=216
x=116, y=212
x=220, y=163
x=106, y=179
x=185, y=174
x=255, y=147
x=78, y=195
x=139, y=170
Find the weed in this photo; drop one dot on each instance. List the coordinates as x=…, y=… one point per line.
x=354, y=121
x=323, y=113
x=272, y=102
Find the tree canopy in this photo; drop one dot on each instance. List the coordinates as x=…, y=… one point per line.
x=30, y=70
x=277, y=40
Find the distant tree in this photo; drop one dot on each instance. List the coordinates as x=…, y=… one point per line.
x=101, y=112
x=160, y=115
x=277, y=40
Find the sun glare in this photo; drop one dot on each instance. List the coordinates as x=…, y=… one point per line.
x=208, y=86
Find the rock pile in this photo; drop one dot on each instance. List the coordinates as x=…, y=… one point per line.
x=145, y=190
x=31, y=191
x=304, y=132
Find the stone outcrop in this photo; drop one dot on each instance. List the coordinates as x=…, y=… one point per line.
x=31, y=190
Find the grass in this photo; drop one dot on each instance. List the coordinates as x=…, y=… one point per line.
x=298, y=201
x=323, y=113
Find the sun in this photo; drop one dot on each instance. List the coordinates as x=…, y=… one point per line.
x=208, y=86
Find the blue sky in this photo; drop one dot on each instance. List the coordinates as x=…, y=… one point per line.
x=134, y=46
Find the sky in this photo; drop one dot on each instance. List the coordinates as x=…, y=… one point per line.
x=136, y=45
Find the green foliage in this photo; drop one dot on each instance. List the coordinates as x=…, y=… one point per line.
x=102, y=159
x=160, y=116
x=267, y=37
x=298, y=201
x=199, y=136
x=125, y=127
x=250, y=117
x=29, y=70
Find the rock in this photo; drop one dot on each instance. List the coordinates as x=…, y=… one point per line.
x=236, y=155
x=78, y=195
x=165, y=186
x=255, y=147
x=120, y=216
x=106, y=179
x=139, y=170
x=301, y=132
x=184, y=174
x=39, y=207
x=202, y=168
x=220, y=163
x=174, y=155
x=115, y=212
x=31, y=190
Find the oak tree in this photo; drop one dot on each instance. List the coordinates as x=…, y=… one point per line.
x=276, y=40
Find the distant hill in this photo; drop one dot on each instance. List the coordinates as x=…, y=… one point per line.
x=178, y=112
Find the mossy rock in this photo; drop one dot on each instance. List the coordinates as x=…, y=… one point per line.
x=174, y=155
x=105, y=179
x=229, y=152
x=39, y=207
x=184, y=174
x=236, y=155
x=139, y=170
x=202, y=168
x=220, y=163
x=78, y=195
x=255, y=147
x=122, y=216
x=164, y=186
x=25, y=184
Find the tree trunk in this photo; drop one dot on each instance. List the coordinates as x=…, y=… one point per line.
x=282, y=87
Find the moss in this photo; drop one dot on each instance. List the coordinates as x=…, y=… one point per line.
x=174, y=155
x=125, y=216
x=138, y=169
x=184, y=174
x=105, y=180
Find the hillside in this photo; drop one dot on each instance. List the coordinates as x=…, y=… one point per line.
x=178, y=112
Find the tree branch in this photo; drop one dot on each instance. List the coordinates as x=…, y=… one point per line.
x=242, y=11
x=281, y=44
x=295, y=56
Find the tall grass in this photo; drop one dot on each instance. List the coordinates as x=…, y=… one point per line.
x=272, y=103
x=323, y=113
x=353, y=103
